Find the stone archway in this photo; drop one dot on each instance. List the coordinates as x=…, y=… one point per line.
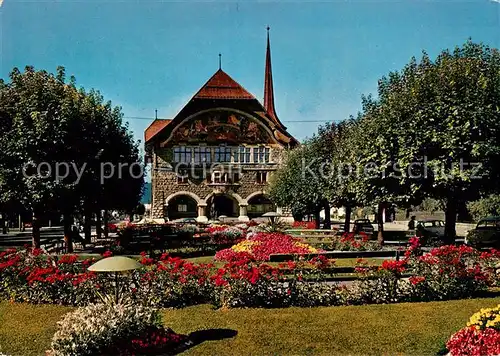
x=183, y=192
x=222, y=205
x=182, y=204
x=259, y=204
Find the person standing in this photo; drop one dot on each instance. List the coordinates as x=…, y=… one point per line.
x=411, y=223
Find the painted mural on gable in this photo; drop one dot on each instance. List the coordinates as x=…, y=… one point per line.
x=221, y=126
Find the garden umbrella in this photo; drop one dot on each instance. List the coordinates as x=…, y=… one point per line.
x=115, y=264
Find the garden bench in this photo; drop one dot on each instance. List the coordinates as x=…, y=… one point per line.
x=284, y=257
x=313, y=231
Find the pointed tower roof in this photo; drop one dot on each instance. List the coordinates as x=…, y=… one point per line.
x=222, y=86
x=268, y=84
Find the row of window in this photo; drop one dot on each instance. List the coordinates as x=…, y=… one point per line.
x=242, y=154
x=225, y=178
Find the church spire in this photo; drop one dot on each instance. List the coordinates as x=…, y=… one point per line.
x=268, y=83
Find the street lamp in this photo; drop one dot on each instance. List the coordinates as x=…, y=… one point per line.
x=115, y=264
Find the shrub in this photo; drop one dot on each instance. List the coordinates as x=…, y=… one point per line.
x=489, y=206
x=100, y=329
x=173, y=282
x=353, y=242
x=449, y=272
x=31, y=276
x=245, y=284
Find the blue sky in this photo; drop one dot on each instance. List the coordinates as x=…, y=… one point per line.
x=156, y=54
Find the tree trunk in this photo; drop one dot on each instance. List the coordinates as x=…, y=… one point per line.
x=35, y=230
x=316, y=218
x=98, y=229
x=68, y=233
x=347, y=222
x=450, y=221
x=105, y=222
x=380, y=223
x=4, y=224
x=408, y=211
x=328, y=220
x=20, y=223
x=87, y=226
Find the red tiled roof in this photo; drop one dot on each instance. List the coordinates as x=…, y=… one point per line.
x=222, y=86
x=155, y=127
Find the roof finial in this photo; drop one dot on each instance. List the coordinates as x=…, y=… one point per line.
x=156, y=114
x=220, y=61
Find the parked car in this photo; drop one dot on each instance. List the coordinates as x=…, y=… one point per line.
x=486, y=234
x=363, y=225
x=430, y=229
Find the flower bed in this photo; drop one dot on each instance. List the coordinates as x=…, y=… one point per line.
x=262, y=245
x=224, y=234
x=309, y=225
x=447, y=272
x=481, y=336
x=353, y=242
x=113, y=329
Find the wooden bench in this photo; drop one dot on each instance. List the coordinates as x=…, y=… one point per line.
x=284, y=257
x=313, y=231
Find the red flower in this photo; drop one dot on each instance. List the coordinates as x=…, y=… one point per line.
x=67, y=259
x=394, y=266
x=416, y=280
x=107, y=254
x=472, y=342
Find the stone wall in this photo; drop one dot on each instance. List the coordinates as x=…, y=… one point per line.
x=165, y=184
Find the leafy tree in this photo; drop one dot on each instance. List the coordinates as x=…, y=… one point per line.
x=296, y=185
x=38, y=110
x=431, y=205
x=335, y=153
x=432, y=125
x=46, y=121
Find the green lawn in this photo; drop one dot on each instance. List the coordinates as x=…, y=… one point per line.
x=417, y=328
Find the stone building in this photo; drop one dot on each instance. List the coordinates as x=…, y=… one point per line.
x=215, y=157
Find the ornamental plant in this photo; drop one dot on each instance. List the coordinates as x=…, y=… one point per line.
x=243, y=283
x=310, y=225
x=104, y=329
x=29, y=275
x=173, y=282
x=450, y=272
x=224, y=234
x=481, y=336
x=353, y=242
x=262, y=245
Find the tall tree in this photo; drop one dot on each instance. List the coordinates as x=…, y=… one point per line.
x=38, y=113
x=435, y=130
x=47, y=123
x=297, y=186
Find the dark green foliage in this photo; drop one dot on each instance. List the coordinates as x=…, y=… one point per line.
x=46, y=121
x=485, y=207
